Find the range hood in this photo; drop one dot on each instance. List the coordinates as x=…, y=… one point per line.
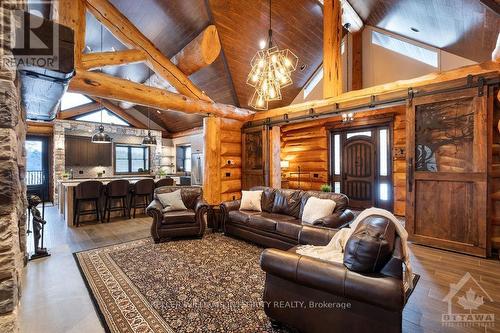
x=44, y=73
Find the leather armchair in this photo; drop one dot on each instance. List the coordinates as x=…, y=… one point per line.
x=185, y=223
x=329, y=296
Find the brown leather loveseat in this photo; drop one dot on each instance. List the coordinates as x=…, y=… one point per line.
x=279, y=223
x=365, y=293
x=183, y=223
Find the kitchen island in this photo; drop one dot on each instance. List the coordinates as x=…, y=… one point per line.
x=66, y=191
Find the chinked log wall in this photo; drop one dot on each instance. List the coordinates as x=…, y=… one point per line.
x=230, y=163
x=222, y=167
x=306, y=145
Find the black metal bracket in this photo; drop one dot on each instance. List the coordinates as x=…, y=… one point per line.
x=411, y=95
x=470, y=81
x=312, y=113
x=480, y=86
x=372, y=102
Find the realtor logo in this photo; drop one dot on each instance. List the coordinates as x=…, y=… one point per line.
x=32, y=39
x=465, y=303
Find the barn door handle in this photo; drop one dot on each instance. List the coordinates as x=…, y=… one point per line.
x=410, y=174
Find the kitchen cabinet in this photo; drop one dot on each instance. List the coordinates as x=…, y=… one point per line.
x=80, y=151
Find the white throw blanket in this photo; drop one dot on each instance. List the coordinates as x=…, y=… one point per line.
x=334, y=251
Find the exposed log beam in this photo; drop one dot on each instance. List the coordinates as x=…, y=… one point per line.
x=117, y=58
x=71, y=13
x=105, y=86
x=131, y=37
x=393, y=87
x=120, y=113
x=199, y=53
x=41, y=128
x=349, y=17
x=332, y=58
x=79, y=110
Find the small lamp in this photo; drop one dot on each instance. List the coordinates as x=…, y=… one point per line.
x=284, y=164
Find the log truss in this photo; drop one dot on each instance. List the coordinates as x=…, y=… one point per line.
x=189, y=99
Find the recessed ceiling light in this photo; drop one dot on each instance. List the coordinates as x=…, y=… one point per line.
x=414, y=29
x=262, y=44
x=157, y=111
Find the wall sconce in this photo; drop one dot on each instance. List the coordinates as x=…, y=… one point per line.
x=284, y=164
x=347, y=117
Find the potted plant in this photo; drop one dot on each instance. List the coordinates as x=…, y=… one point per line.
x=65, y=175
x=326, y=188
x=162, y=173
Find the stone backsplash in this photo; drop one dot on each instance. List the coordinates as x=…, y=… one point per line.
x=120, y=134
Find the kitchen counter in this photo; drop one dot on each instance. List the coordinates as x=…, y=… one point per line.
x=66, y=191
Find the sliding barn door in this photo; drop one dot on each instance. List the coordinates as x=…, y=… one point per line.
x=447, y=171
x=254, y=160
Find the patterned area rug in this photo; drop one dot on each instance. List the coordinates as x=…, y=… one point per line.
x=213, y=284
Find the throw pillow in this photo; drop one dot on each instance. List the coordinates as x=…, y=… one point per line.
x=171, y=201
x=251, y=200
x=317, y=208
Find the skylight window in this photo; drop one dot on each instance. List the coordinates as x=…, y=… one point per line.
x=108, y=117
x=313, y=82
x=418, y=53
x=71, y=100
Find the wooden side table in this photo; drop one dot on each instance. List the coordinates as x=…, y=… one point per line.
x=215, y=219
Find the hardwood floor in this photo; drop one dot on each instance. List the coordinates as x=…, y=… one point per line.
x=54, y=297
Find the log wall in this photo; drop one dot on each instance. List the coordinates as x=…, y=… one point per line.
x=306, y=145
x=230, y=159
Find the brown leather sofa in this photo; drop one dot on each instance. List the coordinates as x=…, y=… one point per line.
x=363, y=294
x=184, y=223
x=279, y=223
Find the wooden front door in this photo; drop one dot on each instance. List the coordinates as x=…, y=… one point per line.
x=358, y=163
x=447, y=171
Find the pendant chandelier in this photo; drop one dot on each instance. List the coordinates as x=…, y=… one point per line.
x=101, y=136
x=271, y=71
x=149, y=140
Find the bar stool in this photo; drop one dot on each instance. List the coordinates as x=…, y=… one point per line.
x=165, y=182
x=88, y=191
x=142, y=190
x=116, y=190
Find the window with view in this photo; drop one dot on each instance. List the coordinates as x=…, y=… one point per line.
x=103, y=116
x=131, y=159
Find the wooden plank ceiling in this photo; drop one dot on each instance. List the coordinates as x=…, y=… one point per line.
x=463, y=27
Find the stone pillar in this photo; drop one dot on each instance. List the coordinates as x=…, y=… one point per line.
x=12, y=184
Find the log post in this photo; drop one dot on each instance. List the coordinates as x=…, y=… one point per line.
x=332, y=38
x=71, y=13
x=274, y=158
x=211, y=167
